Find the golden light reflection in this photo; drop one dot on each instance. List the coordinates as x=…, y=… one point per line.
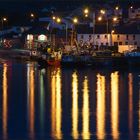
x=31, y=99
x=115, y=105
x=75, y=133
x=5, y=102
x=85, y=111
x=56, y=111
x=130, y=84
x=100, y=106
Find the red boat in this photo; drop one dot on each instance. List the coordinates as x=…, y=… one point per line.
x=53, y=62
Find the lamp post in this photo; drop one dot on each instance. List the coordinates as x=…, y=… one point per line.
x=4, y=19
x=58, y=20
x=112, y=32
x=75, y=21
x=32, y=16
x=115, y=19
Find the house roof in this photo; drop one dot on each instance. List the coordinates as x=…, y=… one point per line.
x=38, y=30
x=131, y=28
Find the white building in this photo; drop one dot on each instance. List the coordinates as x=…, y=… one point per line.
x=110, y=39
x=123, y=35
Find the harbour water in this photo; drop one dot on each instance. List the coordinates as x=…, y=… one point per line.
x=66, y=103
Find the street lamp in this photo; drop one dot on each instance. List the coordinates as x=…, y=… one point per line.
x=115, y=19
x=99, y=18
x=4, y=19
x=75, y=21
x=86, y=12
x=112, y=32
x=102, y=11
x=117, y=8
x=58, y=20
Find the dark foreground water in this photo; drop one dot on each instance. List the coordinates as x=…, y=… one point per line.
x=55, y=103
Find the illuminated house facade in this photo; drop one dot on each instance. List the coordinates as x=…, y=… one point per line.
x=123, y=35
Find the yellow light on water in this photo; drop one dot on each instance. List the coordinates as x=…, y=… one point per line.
x=4, y=102
x=85, y=111
x=115, y=105
x=31, y=99
x=56, y=105
x=100, y=106
x=75, y=133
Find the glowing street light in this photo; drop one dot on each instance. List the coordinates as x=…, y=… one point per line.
x=115, y=19
x=113, y=31
x=99, y=18
x=4, y=19
x=102, y=11
x=75, y=20
x=58, y=20
x=131, y=7
x=54, y=18
x=86, y=11
x=32, y=15
x=117, y=8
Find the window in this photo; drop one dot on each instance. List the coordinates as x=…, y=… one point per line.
x=135, y=43
x=126, y=43
x=118, y=37
x=127, y=37
x=115, y=43
x=105, y=36
x=120, y=43
x=82, y=36
x=98, y=36
x=133, y=37
x=89, y=36
x=106, y=44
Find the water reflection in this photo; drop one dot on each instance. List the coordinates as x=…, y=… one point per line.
x=96, y=106
x=5, y=102
x=85, y=110
x=75, y=133
x=100, y=107
x=56, y=109
x=115, y=105
x=130, y=84
x=139, y=111
x=42, y=99
x=31, y=99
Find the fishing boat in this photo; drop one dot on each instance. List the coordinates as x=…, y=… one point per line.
x=51, y=59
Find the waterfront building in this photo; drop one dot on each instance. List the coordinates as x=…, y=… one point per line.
x=122, y=35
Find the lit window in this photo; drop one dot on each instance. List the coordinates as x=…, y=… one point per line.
x=42, y=38
x=29, y=37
